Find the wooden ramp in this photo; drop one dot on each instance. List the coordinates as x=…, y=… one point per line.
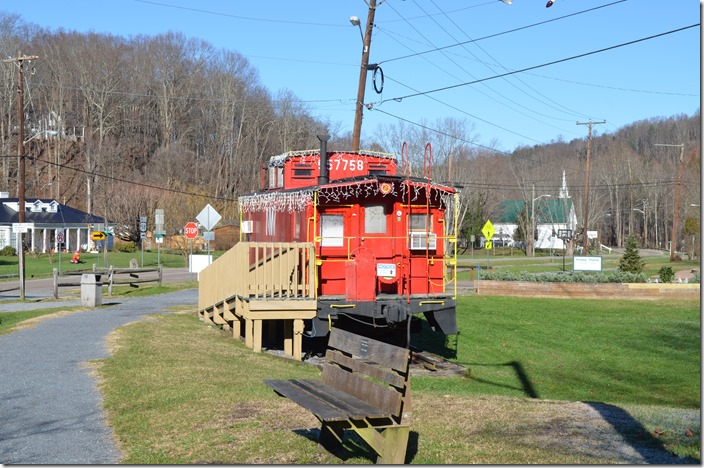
x=256, y=285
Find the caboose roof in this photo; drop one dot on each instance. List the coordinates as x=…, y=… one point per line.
x=295, y=199
x=280, y=160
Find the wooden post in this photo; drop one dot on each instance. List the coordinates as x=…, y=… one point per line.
x=257, y=332
x=298, y=327
x=248, y=332
x=111, y=273
x=56, y=283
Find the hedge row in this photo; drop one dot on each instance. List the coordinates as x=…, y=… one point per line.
x=571, y=277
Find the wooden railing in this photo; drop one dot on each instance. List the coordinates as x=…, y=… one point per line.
x=254, y=282
x=260, y=270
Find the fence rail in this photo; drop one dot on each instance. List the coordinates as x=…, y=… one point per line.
x=132, y=276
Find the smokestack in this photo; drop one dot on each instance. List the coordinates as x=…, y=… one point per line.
x=323, y=177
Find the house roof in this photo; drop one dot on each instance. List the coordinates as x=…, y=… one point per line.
x=63, y=216
x=547, y=211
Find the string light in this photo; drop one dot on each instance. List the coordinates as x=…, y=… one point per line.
x=299, y=200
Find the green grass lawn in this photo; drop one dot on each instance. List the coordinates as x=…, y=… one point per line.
x=178, y=391
x=579, y=350
x=42, y=266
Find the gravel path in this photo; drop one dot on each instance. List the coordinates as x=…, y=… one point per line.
x=50, y=407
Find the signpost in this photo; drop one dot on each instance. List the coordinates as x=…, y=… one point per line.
x=142, y=234
x=60, y=239
x=190, y=230
x=159, y=233
x=488, y=231
x=208, y=217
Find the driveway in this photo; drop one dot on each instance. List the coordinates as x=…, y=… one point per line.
x=50, y=407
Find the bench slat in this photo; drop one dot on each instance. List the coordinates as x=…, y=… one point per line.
x=354, y=407
x=385, y=354
x=291, y=390
x=324, y=401
x=366, y=368
x=386, y=398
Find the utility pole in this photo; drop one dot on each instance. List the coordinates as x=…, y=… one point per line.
x=19, y=61
x=678, y=192
x=367, y=41
x=585, y=242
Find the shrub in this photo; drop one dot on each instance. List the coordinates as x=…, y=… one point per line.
x=666, y=274
x=127, y=247
x=578, y=277
x=8, y=251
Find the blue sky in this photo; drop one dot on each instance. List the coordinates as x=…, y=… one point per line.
x=310, y=48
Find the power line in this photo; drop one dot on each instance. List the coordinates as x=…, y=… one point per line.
x=479, y=185
x=562, y=108
x=192, y=98
x=615, y=88
x=127, y=181
x=497, y=34
x=470, y=74
x=246, y=18
x=400, y=98
x=492, y=2
x=440, y=132
x=467, y=113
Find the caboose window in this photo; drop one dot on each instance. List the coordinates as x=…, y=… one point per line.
x=374, y=219
x=418, y=223
x=276, y=177
x=331, y=230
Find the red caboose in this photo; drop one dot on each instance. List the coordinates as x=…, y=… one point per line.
x=383, y=241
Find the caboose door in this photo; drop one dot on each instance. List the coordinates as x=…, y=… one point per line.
x=337, y=239
x=361, y=276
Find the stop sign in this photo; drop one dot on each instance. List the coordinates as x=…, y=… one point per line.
x=190, y=230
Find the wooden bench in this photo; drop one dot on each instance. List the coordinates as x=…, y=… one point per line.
x=365, y=387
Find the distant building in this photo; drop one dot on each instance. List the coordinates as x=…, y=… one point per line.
x=551, y=215
x=46, y=219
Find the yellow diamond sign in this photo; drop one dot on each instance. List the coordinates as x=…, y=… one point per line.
x=488, y=230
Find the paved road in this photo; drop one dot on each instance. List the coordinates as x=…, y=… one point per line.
x=49, y=404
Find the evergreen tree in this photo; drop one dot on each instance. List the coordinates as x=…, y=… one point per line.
x=631, y=261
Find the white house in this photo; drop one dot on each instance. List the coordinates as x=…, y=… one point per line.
x=46, y=219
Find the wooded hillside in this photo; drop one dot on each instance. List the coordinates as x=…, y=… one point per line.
x=121, y=126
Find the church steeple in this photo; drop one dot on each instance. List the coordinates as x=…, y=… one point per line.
x=563, y=190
